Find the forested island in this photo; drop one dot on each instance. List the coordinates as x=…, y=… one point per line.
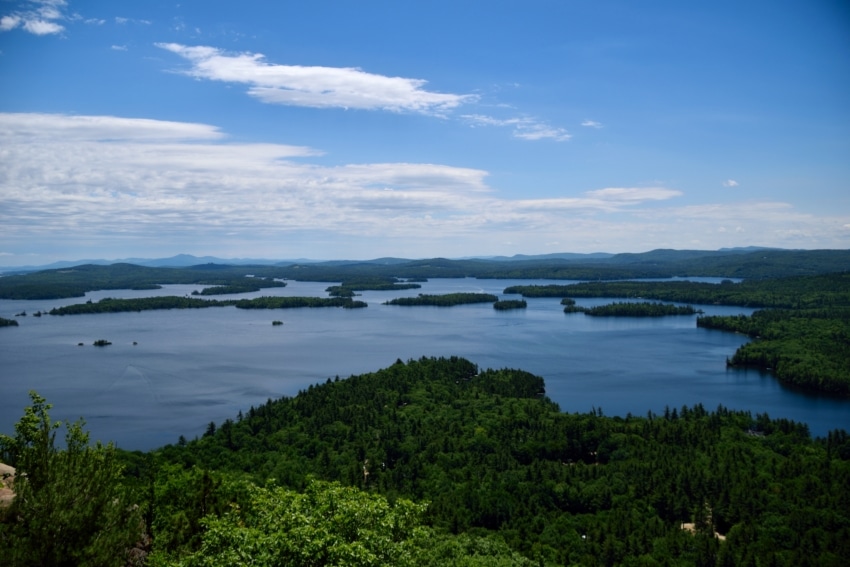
x=110, y=305
x=444, y=300
x=248, y=286
x=435, y=462
x=630, y=309
x=8, y=322
x=507, y=304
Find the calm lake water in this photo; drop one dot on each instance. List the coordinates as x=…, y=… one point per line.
x=190, y=367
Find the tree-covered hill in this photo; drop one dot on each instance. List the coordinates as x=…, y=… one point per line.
x=492, y=456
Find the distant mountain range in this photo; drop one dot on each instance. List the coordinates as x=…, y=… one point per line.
x=186, y=260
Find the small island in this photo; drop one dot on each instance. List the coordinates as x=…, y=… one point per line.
x=507, y=304
x=239, y=286
x=101, y=342
x=627, y=309
x=277, y=323
x=8, y=322
x=445, y=300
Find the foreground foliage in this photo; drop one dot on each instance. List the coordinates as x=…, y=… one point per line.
x=493, y=458
x=330, y=524
x=70, y=507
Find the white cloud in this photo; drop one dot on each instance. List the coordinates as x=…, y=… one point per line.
x=42, y=27
x=9, y=22
x=39, y=19
x=317, y=87
x=39, y=127
x=591, y=124
x=730, y=183
x=119, y=47
x=120, y=181
x=523, y=127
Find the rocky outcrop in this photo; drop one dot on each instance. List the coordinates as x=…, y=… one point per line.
x=7, y=479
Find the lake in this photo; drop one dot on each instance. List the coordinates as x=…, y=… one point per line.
x=190, y=367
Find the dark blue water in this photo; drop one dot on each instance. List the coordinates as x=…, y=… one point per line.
x=190, y=367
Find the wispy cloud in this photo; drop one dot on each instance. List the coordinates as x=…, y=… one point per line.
x=313, y=86
x=122, y=20
x=730, y=183
x=525, y=128
x=39, y=17
x=591, y=124
x=119, y=48
x=121, y=180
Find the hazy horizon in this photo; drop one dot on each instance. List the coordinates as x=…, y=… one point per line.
x=383, y=129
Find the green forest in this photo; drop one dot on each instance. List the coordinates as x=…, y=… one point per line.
x=433, y=462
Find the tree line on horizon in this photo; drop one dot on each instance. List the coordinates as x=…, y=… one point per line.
x=755, y=265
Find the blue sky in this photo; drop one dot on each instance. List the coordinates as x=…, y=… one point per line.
x=338, y=129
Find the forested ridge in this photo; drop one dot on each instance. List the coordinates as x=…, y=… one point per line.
x=492, y=457
x=434, y=462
